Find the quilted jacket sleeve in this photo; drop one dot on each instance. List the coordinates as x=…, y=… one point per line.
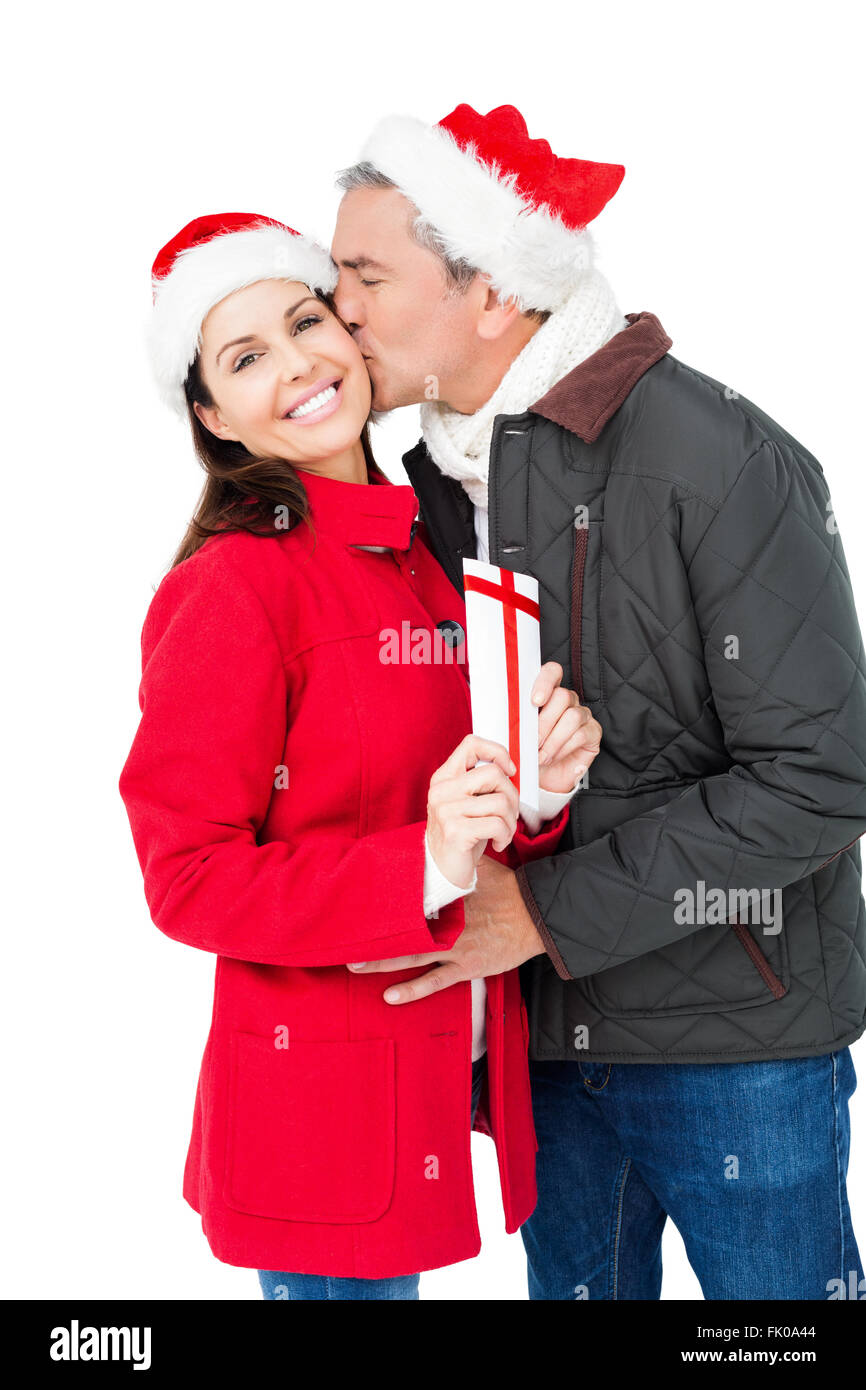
x=197, y=784
x=784, y=657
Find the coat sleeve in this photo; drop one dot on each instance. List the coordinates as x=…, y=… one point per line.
x=784, y=659
x=549, y=806
x=526, y=847
x=198, y=782
x=438, y=890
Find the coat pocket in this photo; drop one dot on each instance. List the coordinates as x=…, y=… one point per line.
x=311, y=1129
x=713, y=970
x=777, y=987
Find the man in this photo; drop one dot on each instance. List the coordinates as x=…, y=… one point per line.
x=693, y=954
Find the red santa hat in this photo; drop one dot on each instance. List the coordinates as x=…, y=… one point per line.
x=210, y=258
x=499, y=200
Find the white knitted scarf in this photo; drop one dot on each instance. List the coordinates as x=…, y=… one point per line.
x=460, y=444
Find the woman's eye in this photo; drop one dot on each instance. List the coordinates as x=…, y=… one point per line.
x=310, y=318
x=371, y=282
x=242, y=361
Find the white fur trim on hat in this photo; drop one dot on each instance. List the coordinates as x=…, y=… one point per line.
x=203, y=275
x=528, y=252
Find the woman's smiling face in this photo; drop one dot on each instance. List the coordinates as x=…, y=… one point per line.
x=286, y=378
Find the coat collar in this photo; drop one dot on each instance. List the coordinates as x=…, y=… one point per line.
x=584, y=400
x=378, y=513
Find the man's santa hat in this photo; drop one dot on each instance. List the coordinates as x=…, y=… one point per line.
x=504, y=203
x=210, y=258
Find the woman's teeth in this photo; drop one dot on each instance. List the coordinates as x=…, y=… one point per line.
x=314, y=403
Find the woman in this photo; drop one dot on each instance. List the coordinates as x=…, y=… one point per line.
x=298, y=802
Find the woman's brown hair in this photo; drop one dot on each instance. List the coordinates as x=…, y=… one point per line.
x=242, y=492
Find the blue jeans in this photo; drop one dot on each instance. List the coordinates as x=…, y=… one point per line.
x=748, y=1159
x=276, y=1285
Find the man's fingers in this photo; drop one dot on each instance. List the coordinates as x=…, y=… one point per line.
x=379, y=967
x=445, y=973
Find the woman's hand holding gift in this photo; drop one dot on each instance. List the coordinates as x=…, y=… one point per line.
x=568, y=736
x=471, y=800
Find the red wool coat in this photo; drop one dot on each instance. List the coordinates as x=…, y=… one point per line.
x=277, y=793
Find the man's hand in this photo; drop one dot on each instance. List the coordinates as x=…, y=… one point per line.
x=499, y=934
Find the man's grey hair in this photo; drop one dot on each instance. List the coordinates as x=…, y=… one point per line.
x=458, y=273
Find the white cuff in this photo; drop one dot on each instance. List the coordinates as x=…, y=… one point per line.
x=549, y=806
x=439, y=890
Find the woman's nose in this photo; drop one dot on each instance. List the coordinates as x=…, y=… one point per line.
x=294, y=364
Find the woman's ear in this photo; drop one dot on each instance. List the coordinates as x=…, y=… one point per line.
x=213, y=421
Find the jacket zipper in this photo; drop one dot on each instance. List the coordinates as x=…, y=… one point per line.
x=581, y=540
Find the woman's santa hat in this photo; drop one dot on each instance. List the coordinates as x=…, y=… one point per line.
x=210, y=258
x=504, y=203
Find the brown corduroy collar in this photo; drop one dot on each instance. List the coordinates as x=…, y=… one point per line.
x=584, y=400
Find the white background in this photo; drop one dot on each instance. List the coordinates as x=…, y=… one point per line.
x=739, y=223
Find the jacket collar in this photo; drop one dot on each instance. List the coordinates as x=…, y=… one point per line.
x=584, y=400
x=378, y=513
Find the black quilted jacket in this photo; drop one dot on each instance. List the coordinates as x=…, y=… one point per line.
x=705, y=902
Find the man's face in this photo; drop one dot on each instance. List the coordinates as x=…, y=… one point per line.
x=414, y=332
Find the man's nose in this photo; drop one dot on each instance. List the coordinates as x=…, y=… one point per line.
x=348, y=304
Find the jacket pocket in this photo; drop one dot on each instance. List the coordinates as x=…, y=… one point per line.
x=311, y=1129
x=715, y=969
x=776, y=986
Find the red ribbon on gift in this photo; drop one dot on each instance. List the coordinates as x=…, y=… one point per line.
x=506, y=594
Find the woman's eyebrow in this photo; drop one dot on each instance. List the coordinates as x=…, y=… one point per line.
x=250, y=338
x=234, y=343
